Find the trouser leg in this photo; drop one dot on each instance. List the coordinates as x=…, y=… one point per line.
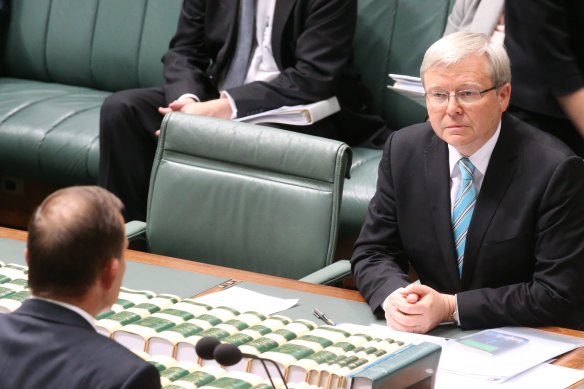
x=127, y=146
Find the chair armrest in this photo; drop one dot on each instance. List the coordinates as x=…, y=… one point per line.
x=135, y=230
x=330, y=274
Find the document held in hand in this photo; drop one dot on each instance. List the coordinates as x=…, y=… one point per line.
x=297, y=115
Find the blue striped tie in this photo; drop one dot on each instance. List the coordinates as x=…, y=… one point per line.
x=463, y=209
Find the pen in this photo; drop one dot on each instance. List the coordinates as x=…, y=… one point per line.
x=322, y=316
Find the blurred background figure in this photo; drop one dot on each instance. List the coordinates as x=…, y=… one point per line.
x=485, y=17
x=545, y=42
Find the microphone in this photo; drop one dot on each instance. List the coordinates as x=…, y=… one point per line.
x=228, y=354
x=206, y=346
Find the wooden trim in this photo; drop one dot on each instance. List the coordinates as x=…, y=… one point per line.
x=242, y=275
x=205, y=268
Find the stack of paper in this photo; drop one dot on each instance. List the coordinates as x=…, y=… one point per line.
x=409, y=86
x=297, y=115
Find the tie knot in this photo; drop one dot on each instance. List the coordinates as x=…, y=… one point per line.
x=466, y=168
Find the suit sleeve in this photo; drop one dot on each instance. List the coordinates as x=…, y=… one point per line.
x=322, y=50
x=555, y=293
x=187, y=60
x=145, y=377
x=379, y=264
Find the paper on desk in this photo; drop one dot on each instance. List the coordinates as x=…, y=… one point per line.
x=542, y=346
x=542, y=376
x=245, y=300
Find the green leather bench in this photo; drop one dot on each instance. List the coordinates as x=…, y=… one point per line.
x=60, y=58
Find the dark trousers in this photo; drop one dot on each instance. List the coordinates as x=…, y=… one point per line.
x=562, y=129
x=127, y=144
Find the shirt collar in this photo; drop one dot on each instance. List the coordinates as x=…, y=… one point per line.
x=71, y=307
x=480, y=159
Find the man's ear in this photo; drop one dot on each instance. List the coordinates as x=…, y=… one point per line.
x=110, y=273
x=504, y=96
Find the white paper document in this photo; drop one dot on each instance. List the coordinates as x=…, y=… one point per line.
x=298, y=115
x=525, y=348
x=410, y=87
x=246, y=300
x=542, y=376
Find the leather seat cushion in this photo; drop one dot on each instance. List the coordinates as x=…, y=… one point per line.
x=49, y=131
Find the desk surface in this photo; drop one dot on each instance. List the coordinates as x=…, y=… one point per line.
x=188, y=278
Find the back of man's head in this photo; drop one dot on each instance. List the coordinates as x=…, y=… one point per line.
x=71, y=237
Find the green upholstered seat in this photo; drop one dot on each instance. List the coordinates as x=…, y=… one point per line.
x=59, y=60
x=245, y=196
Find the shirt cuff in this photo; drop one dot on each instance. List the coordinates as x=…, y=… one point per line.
x=231, y=103
x=455, y=316
x=189, y=95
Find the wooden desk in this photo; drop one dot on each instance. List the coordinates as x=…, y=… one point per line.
x=573, y=359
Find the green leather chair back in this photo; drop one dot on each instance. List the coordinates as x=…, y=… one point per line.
x=107, y=45
x=245, y=196
x=391, y=37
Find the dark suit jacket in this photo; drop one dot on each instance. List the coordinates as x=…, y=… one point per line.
x=312, y=44
x=44, y=345
x=545, y=42
x=524, y=257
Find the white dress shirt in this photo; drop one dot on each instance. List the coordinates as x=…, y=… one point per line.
x=71, y=307
x=480, y=159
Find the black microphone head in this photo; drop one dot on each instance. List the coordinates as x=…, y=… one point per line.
x=206, y=346
x=227, y=354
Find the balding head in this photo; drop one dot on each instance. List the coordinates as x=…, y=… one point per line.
x=71, y=237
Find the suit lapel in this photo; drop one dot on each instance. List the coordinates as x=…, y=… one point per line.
x=228, y=9
x=437, y=176
x=281, y=15
x=502, y=167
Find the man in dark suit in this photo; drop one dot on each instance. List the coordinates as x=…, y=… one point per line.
x=301, y=53
x=513, y=194
x=75, y=248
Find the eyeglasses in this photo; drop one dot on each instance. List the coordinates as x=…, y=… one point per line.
x=467, y=96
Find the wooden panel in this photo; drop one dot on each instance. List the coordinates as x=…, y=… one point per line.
x=18, y=200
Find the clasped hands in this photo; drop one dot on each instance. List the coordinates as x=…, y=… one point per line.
x=418, y=308
x=218, y=108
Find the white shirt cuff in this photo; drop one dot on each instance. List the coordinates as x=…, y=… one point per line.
x=231, y=103
x=455, y=315
x=189, y=95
